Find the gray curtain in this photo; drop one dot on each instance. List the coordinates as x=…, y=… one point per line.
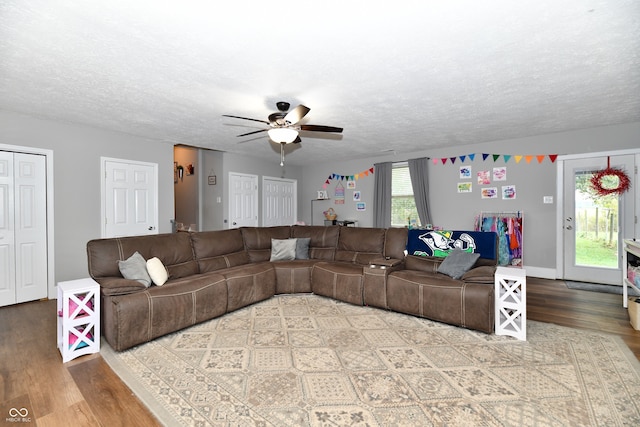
x=418, y=170
x=382, y=195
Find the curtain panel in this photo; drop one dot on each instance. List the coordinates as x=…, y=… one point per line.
x=382, y=195
x=418, y=171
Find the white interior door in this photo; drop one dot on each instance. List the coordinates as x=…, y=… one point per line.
x=243, y=200
x=7, y=231
x=279, y=201
x=594, y=226
x=130, y=198
x=23, y=228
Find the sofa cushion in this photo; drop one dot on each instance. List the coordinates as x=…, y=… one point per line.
x=457, y=263
x=323, y=240
x=173, y=249
x=283, y=249
x=360, y=245
x=257, y=240
x=135, y=268
x=216, y=250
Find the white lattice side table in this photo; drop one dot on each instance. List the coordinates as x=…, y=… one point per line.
x=78, y=318
x=511, y=302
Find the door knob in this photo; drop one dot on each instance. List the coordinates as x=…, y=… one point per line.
x=569, y=227
x=151, y=227
x=569, y=219
x=235, y=223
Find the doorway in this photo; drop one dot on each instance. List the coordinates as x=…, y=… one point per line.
x=593, y=226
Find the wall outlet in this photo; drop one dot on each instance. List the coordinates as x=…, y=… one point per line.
x=547, y=199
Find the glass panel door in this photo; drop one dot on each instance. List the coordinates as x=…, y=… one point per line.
x=594, y=225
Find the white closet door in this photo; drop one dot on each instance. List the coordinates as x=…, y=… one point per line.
x=31, y=226
x=23, y=228
x=7, y=235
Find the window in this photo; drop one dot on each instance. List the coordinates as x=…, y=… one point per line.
x=403, y=205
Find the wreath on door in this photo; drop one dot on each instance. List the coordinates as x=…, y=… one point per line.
x=610, y=181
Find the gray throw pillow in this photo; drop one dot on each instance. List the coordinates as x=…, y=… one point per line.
x=135, y=268
x=283, y=249
x=302, y=247
x=457, y=263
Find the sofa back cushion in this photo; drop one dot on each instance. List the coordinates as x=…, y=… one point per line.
x=360, y=244
x=323, y=240
x=395, y=242
x=215, y=250
x=173, y=249
x=257, y=240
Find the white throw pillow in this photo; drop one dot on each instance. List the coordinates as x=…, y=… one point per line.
x=283, y=249
x=157, y=271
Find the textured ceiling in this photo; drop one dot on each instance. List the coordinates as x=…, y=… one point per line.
x=401, y=75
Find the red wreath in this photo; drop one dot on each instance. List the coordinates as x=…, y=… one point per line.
x=623, y=181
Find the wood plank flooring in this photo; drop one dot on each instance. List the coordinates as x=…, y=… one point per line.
x=86, y=392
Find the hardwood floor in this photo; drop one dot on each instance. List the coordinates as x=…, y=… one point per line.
x=85, y=392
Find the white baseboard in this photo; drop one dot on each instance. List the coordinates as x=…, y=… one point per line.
x=541, y=272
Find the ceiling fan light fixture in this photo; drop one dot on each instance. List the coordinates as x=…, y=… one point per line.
x=283, y=135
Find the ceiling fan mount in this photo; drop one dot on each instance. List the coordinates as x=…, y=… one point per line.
x=284, y=125
x=283, y=106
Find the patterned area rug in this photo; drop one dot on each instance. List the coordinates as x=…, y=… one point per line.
x=305, y=360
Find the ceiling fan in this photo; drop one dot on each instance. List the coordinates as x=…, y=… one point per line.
x=284, y=125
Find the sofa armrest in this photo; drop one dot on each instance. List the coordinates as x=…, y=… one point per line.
x=118, y=286
x=483, y=274
x=385, y=262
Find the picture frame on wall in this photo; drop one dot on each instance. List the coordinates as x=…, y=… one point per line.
x=211, y=179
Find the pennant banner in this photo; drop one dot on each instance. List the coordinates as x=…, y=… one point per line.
x=517, y=157
x=340, y=177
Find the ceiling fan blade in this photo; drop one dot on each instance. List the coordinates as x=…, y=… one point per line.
x=295, y=115
x=255, y=131
x=318, y=128
x=297, y=141
x=246, y=118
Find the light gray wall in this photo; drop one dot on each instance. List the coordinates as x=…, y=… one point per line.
x=221, y=164
x=76, y=154
x=211, y=210
x=77, y=151
x=457, y=211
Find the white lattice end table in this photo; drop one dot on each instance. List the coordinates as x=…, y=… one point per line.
x=78, y=318
x=511, y=302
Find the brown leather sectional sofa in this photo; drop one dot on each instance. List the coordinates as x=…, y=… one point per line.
x=215, y=272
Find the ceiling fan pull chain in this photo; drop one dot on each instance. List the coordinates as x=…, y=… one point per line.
x=281, y=154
